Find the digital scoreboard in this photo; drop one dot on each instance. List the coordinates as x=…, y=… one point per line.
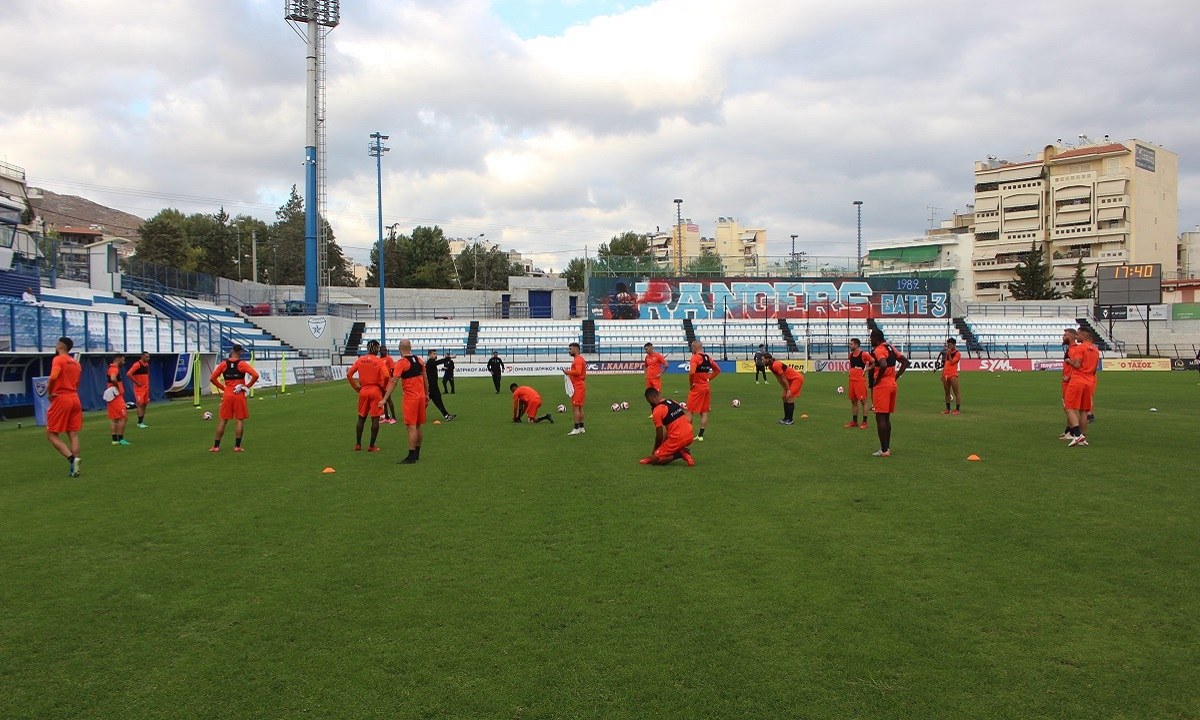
x=1129, y=284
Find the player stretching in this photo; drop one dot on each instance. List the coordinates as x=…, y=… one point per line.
x=372, y=374
x=1084, y=359
x=114, y=396
x=230, y=377
x=65, y=414
x=527, y=401
x=672, y=431
x=857, y=389
x=139, y=373
x=389, y=410
x=948, y=358
x=701, y=371
x=790, y=380
x=410, y=372
x=578, y=374
x=655, y=364
x=883, y=389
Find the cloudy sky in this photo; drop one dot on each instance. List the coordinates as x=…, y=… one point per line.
x=551, y=125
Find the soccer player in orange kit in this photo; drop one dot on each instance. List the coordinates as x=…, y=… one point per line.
x=950, y=357
x=672, y=431
x=860, y=360
x=578, y=374
x=139, y=374
x=656, y=365
x=699, y=400
x=372, y=374
x=409, y=372
x=883, y=390
x=114, y=396
x=527, y=401
x=790, y=380
x=65, y=414
x=233, y=377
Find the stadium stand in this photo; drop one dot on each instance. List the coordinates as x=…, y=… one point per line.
x=230, y=327
x=919, y=337
x=739, y=337
x=445, y=336
x=528, y=337
x=627, y=338
x=1016, y=336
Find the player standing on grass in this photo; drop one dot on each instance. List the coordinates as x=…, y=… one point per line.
x=790, y=380
x=410, y=373
x=655, y=365
x=883, y=389
x=527, y=401
x=672, y=431
x=857, y=388
x=760, y=366
x=1084, y=359
x=65, y=414
x=578, y=374
x=139, y=374
x=114, y=396
x=701, y=371
x=372, y=374
x=230, y=377
x=495, y=367
x=448, y=376
x=435, y=395
x=948, y=358
x=1070, y=338
x=389, y=410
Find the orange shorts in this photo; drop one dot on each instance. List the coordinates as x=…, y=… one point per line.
x=116, y=409
x=234, y=407
x=531, y=409
x=141, y=396
x=414, y=410
x=655, y=383
x=368, y=401
x=884, y=398
x=672, y=445
x=699, y=399
x=795, y=386
x=65, y=414
x=858, y=390
x=580, y=394
x=1078, y=395
x=949, y=376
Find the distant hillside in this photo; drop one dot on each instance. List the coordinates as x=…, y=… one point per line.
x=74, y=211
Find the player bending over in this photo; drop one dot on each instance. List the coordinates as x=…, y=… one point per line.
x=672, y=431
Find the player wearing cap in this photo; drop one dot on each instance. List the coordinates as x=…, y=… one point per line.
x=233, y=377
x=790, y=380
x=1084, y=359
x=655, y=365
x=409, y=372
x=701, y=370
x=948, y=359
x=65, y=414
x=889, y=365
x=856, y=386
x=527, y=401
x=672, y=431
x=578, y=375
x=139, y=374
x=114, y=398
x=371, y=374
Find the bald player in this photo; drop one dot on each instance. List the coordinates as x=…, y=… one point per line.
x=409, y=373
x=1070, y=338
x=860, y=360
x=790, y=380
x=672, y=431
x=372, y=374
x=701, y=370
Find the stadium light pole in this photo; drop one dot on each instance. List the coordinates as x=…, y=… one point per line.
x=678, y=236
x=238, y=230
x=376, y=150
x=794, y=253
x=858, y=259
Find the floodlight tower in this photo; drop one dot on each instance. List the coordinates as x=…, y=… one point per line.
x=319, y=17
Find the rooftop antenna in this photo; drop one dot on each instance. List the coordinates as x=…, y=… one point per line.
x=319, y=18
x=933, y=211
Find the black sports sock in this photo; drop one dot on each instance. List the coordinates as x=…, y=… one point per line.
x=947, y=406
x=114, y=437
x=701, y=432
x=237, y=442
x=417, y=453
x=217, y=443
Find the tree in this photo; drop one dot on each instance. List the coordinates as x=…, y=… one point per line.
x=1033, y=277
x=425, y=259
x=1081, y=287
x=628, y=243
x=288, y=251
x=575, y=274
x=707, y=263
x=485, y=267
x=216, y=243
x=164, y=241
x=391, y=262
x=625, y=254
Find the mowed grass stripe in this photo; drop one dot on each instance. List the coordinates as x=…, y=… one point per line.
x=518, y=572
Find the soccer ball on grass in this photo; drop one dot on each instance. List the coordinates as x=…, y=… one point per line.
x=206, y=416
x=562, y=408
x=736, y=403
x=841, y=389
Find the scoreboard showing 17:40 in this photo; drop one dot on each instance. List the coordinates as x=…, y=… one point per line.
x=1129, y=284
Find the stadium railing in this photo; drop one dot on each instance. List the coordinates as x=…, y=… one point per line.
x=24, y=328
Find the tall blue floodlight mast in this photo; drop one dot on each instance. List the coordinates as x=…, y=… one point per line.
x=319, y=17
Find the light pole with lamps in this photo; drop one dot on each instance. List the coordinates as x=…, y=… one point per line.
x=376, y=150
x=678, y=236
x=794, y=253
x=858, y=260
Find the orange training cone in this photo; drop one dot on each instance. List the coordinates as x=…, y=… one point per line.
x=328, y=470
x=972, y=457
x=437, y=422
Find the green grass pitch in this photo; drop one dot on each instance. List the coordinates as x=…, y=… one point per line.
x=516, y=572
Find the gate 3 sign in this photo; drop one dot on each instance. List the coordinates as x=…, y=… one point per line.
x=755, y=298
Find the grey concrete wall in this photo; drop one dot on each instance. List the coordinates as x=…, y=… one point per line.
x=302, y=332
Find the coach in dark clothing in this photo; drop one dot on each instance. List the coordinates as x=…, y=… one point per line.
x=496, y=367
x=448, y=375
x=431, y=377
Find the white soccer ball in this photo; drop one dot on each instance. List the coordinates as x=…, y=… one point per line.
x=616, y=407
x=207, y=415
x=736, y=403
x=683, y=405
x=562, y=408
x=841, y=389
x=624, y=404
